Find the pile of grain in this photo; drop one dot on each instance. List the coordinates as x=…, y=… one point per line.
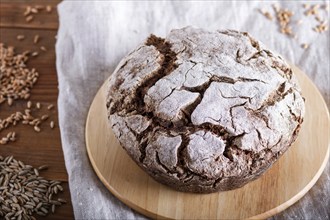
x=16, y=79
x=23, y=192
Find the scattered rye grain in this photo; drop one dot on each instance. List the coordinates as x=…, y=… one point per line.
x=38, y=105
x=36, y=172
x=61, y=200
x=23, y=193
x=59, y=187
x=43, y=167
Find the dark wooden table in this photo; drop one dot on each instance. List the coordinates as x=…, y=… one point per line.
x=31, y=147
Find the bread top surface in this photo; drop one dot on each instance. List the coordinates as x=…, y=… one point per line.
x=209, y=103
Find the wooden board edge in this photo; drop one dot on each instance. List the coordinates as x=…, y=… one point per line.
x=264, y=215
x=298, y=196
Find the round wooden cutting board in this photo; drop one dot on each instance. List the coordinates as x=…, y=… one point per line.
x=281, y=186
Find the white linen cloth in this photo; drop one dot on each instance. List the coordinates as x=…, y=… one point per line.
x=94, y=35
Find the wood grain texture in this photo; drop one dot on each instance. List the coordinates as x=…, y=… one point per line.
x=31, y=147
x=12, y=15
x=285, y=183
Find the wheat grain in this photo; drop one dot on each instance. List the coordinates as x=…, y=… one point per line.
x=44, y=117
x=29, y=18
x=36, y=39
x=49, y=8
x=27, y=11
x=34, y=54
x=283, y=19
x=29, y=104
x=39, y=7
x=43, y=48
x=36, y=128
x=50, y=106
x=52, y=125
x=304, y=46
x=20, y=37
x=34, y=10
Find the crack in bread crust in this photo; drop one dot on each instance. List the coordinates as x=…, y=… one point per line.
x=239, y=98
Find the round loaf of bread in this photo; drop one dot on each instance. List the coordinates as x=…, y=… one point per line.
x=204, y=111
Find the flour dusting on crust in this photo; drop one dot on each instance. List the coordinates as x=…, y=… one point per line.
x=204, y=111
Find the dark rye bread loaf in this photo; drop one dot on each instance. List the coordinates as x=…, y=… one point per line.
x=204, y=111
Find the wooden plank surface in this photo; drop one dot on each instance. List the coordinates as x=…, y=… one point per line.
x=45, y=147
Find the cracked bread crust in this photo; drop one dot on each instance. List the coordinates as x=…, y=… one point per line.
x=204, y=111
